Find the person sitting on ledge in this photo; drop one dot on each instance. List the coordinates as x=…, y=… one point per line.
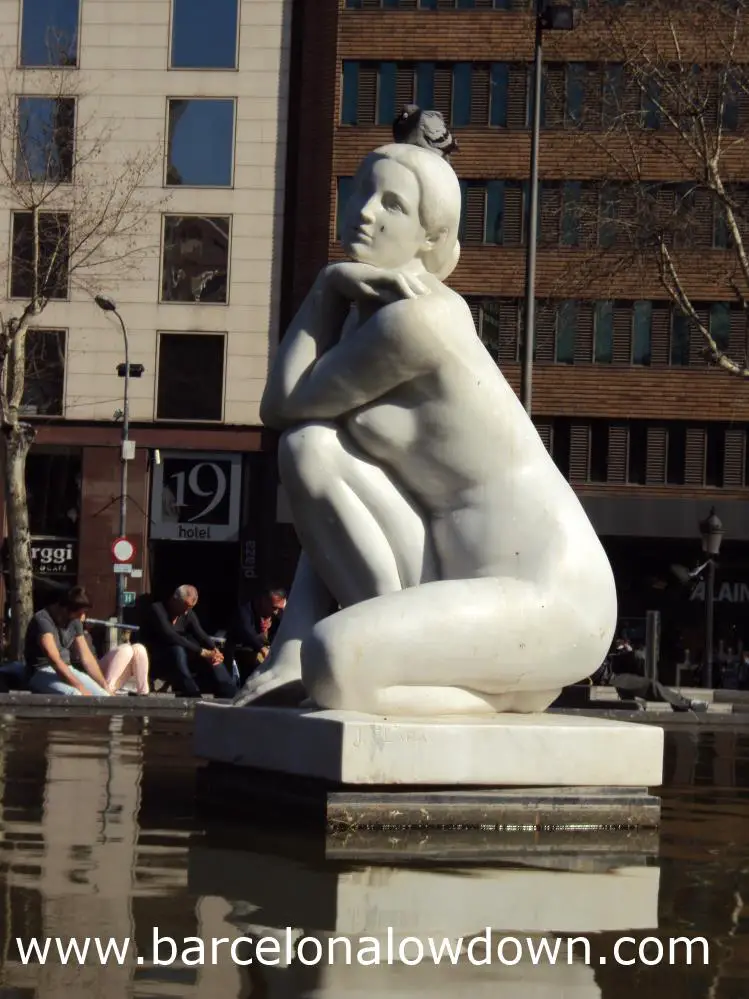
x=176, y=641
x=55, y=636
x=253, y=629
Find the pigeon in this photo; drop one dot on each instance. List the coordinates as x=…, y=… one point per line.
x=426, y=129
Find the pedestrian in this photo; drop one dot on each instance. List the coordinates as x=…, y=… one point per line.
x=178, y=645
x=253, y=629
x=55, y=636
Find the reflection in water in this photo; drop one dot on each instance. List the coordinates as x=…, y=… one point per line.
x=100, y=837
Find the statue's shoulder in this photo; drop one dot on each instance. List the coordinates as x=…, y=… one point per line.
x=444, y=308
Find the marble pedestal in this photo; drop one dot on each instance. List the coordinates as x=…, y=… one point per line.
x=498, y=769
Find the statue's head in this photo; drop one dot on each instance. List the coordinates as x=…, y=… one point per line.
x=405, y=204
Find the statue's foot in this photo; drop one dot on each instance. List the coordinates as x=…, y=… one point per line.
x=288, y=694
x=274, y=685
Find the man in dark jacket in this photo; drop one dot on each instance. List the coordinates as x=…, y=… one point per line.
x=253, y=629
x=177, y=644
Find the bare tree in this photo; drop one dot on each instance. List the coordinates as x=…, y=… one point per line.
x=664, y=114
x=78, y=213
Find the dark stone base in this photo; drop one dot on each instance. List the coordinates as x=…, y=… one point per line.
x=263, y=795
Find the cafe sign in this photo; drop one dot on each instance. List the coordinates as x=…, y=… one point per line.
x=54, y=556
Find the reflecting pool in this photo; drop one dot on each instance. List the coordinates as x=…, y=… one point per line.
x=102, y=838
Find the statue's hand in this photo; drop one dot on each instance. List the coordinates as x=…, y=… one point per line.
x=363, y=282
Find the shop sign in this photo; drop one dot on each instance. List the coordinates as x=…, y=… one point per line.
x=730, y=593
x=196, y=496
x=54, y=556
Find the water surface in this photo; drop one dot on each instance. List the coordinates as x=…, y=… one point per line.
x=102, y=836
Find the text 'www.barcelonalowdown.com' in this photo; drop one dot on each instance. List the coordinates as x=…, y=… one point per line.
x=480, y=949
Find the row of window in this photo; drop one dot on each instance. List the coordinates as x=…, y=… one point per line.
x=203, y=35
x=644, y=452
x=516, y=5
x=194, y=261
x=589, y=214
x=574, y=94
x=199, y=148
x=190, y=372
x=609, y=332
x=511, y=5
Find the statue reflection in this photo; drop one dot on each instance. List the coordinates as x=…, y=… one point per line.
x=376, y=921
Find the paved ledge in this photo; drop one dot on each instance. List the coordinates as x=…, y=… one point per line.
x=666, y=719
x=721, y=712
x=22, y=704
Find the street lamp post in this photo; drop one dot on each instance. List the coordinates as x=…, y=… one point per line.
x=108, y=305
x=711, y=530
x=549, y=17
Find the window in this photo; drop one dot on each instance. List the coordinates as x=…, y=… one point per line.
x=345, y=188
x=200, y=149
x=641, y=332
x=46, y=137
x=575, y=92
x=52, y=270
x=571, y=191
x=505, y=207
x=466, y=93
x=517, y=5
x=44, y=387
x=196, y=258
x=53, y=487
x=350, y=93
x=637, y=458
x=715, y=446
x=560, y=449
x=49, y=33
x=566, y=328
x=599, y=451
x=604, y=333
x=732, y=101
x=680, y=337
x=204, y=35
x=677, y=454
x=720, y=324
x=651, y=104
x=191, y=377
x=498, y=94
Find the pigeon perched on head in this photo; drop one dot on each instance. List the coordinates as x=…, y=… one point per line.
x=424, y=128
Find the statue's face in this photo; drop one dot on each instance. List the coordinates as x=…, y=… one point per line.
x=381, y=223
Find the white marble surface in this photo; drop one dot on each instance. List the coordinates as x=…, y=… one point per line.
x=503, y=750
x=466, y=576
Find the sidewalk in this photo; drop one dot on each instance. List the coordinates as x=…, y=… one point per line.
x=718, y=701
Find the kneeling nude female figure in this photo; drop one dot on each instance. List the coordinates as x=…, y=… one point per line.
x=467, y=575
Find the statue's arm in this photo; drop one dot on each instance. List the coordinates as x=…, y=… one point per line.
x=314, y=328
x=386, y=351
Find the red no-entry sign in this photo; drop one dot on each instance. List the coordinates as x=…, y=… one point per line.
x=123, y=551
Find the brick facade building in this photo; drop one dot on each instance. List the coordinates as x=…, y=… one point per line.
x=649, y=435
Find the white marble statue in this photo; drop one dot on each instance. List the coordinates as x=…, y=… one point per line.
x=447, y=566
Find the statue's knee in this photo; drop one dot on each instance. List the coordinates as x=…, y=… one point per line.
x=306, y=452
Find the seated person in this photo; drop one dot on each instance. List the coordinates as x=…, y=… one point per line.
x=124, y=662
x=175, y=640
x=55, y=637
x=253, y=629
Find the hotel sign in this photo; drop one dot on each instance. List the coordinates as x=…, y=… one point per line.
x=196, y=496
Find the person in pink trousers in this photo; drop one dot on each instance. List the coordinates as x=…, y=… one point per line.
x=126, y=662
